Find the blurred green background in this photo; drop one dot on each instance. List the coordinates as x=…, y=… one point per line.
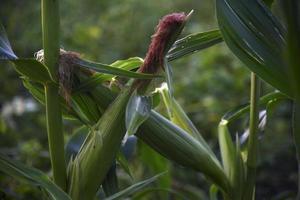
x=207, y=85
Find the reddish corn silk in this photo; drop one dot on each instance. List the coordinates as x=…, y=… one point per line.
x=165, y=35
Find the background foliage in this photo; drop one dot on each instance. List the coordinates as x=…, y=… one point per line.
x=207, y=84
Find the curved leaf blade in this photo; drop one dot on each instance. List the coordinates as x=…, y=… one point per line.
x=137, y=111
x=32, y=176
x=32, y=69
x=108, y=69
x=96, y=79
x=194, y=43
x=256, y=38
x=242, y=109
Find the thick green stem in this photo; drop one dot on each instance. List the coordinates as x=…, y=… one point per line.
x=252, y=143
x=55, y=136
x=50, y=27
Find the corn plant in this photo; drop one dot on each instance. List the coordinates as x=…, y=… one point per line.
x=74, y=88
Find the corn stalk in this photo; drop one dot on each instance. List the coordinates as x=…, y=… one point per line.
x=252, y=143
x=50, y=27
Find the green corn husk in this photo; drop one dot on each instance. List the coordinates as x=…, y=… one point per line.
x=88, y=169
x=175, y=144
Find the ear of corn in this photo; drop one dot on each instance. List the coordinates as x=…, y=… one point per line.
x=175, y=144
x=90, y=166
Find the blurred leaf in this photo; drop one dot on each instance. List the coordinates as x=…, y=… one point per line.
x=110, y=184
x=134, y=188
x=123, y=163
x=74, y=143
x=256, y=38
x=6, y=52
x=292, y=14
x=194, y=43
x=129, y=146
x=242, y=109
x=37, y=91
x=213, y=192
x=268, y=2
x=32, y=176
x=154, y=163
x=108, y=69
x=32, y=69
x=137, y=111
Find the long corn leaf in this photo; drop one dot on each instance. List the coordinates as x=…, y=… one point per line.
x=242, y=109
x=108, y=69
x=32, y=176
x=97, y=78
x=256, y=38
x=194, y=43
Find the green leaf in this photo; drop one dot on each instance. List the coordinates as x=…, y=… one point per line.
x=232, y=160
x=90, y=166
x=292, y=14
x=177, y=114
x=122, y=161
x=128, y=64
x=6, y=52
x=242, y=109
x=177, y=145
x=154, y=163
x=38, y=92
x=213, y=192
x=32, y=176
x=134, y=188
x=255, y=36
x=173, y=142
x=29, y=68
x=137, y=111
x=74, y=143
x=169, y=77
x=110, y=184
x=86, y=107
x=194, y=43
x=32, y=69
x=268, y=2
x=108, y=69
